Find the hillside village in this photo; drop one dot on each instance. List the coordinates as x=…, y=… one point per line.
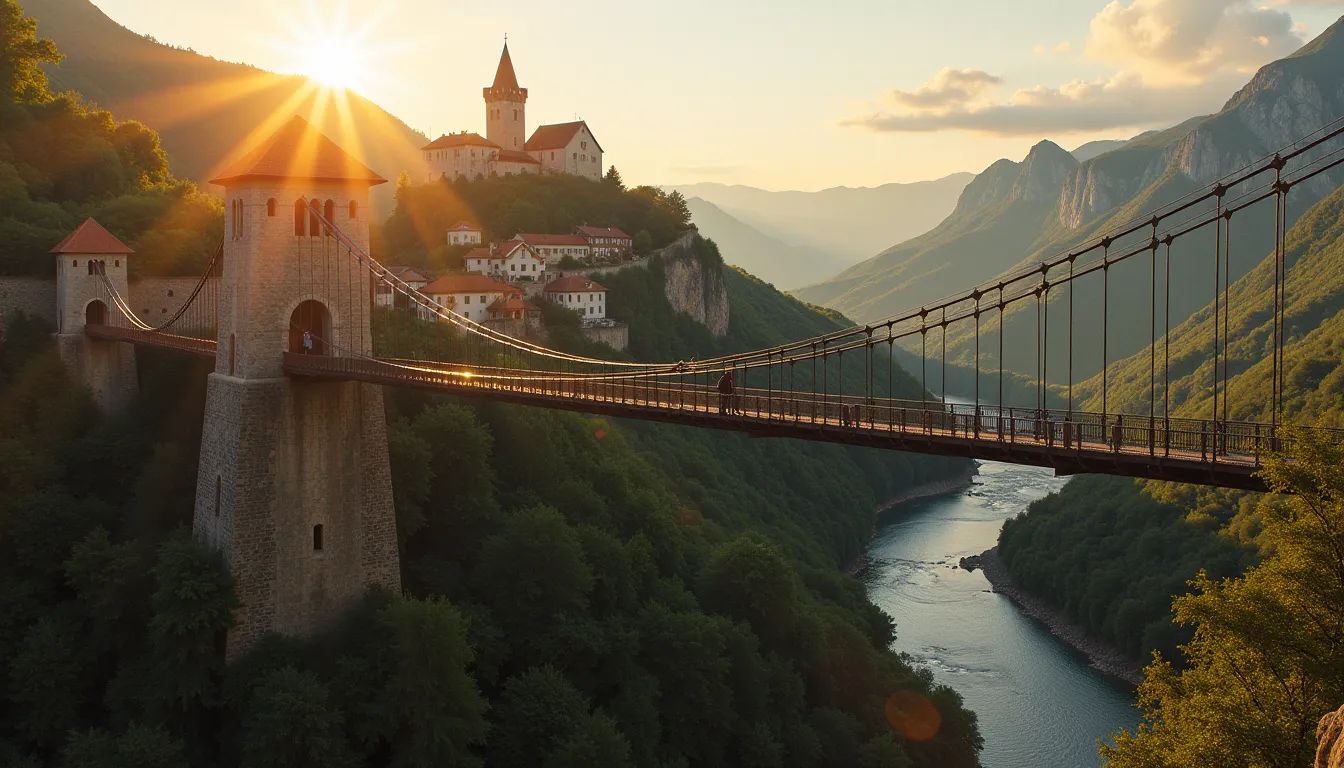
x=500, y=281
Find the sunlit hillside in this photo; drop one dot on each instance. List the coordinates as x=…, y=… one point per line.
x=207, y=111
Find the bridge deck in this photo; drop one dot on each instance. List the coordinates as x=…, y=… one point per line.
x=193, y=346
x=1079, y=443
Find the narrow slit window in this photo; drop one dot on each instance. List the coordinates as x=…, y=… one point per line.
x=299, y=218
x=270, y=207
x=354, y=209
x=329, y=211
x=219, y=483
x=317, y=537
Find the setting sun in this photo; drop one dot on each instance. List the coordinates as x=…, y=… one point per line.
x=333, y=62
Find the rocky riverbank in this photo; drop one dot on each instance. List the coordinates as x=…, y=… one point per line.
x=921, y=491
x=1100, y=655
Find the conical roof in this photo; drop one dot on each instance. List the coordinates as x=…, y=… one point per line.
x=298, y=151
x=91, y=238
x=505, y=79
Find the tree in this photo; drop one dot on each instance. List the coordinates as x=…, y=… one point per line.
x=536, y=713
x=613, y=178
x=21, y=53
x=192, y=609
x=597, y=741
x=643, y=242
x=555, y=582
x=143, y=746
x=1266, y=660
x=749, y=579
x=292, y=722
x=676, y=202
x=48, y=683
x=439, y=711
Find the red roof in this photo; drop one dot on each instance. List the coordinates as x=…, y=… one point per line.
x=298, y=151
x=511, y=303
x=574, y=284
x=505, y=79
x=463, y=226
x=469, y=283
x=463, y=139
x=557, y=136
x=408, y=274
x=602, y=232
x=535, y=240
x=514, y=156
x=91, y=238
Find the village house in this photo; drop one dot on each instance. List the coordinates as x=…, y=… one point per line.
x=463, y=233
x=553, y=248
x=385, y=296
x=472, y=296
x=580, y=294
x=607, y=242
x=567, y=148
x=512, y=260
x=505, y=148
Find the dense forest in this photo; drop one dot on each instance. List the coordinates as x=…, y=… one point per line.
x=62, y=161
x=578, y=591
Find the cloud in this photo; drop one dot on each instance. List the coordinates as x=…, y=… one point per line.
x=949, y=88
x=1078, y=106
x=1173, y=58
x=1186, y=41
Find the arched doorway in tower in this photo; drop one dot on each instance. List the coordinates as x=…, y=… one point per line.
x=95, y=313
x=310, y=316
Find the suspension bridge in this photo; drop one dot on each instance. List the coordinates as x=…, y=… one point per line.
x=802, y=389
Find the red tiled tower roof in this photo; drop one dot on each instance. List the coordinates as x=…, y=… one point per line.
x=298, y=151
x=91, y=238
x=505, y=87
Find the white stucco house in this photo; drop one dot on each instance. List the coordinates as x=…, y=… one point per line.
x=580, y=294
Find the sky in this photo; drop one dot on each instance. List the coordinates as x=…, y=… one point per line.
x=777, y=94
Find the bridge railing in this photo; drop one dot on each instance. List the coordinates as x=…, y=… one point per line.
x=1241, y=443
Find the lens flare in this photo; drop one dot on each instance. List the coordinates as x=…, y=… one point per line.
x=913, y=716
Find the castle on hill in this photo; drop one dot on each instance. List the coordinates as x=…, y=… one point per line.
x=558, y=148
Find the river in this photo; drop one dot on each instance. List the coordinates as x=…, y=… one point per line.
x=1039, y=705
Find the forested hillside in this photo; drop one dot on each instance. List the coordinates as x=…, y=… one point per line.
x=209, y=111
x=62, y=161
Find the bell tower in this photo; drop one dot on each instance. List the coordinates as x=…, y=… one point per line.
x=294, y=486
x=506, y=107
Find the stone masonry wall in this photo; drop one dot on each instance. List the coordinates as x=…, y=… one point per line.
x=34, y=296
x=616, y=336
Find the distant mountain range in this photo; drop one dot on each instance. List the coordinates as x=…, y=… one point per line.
x=207, y=111
x=850, y=223
x=759, y=254
x=1017, y=213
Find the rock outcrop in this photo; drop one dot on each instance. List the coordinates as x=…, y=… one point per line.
x=1329, y=745
x=694, y=284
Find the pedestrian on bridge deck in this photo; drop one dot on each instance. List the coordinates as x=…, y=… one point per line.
x=725, y=392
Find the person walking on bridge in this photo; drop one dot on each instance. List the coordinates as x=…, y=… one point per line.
x=725, y=392
x=307, y=343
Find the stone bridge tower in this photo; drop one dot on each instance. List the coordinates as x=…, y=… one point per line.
x=294, y=485
x=107, y=368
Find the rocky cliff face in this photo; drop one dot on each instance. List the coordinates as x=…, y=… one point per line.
x=1329, y=745
x=1284, y=101
x=695, y=285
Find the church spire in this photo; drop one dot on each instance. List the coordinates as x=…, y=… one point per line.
x=505, y=79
